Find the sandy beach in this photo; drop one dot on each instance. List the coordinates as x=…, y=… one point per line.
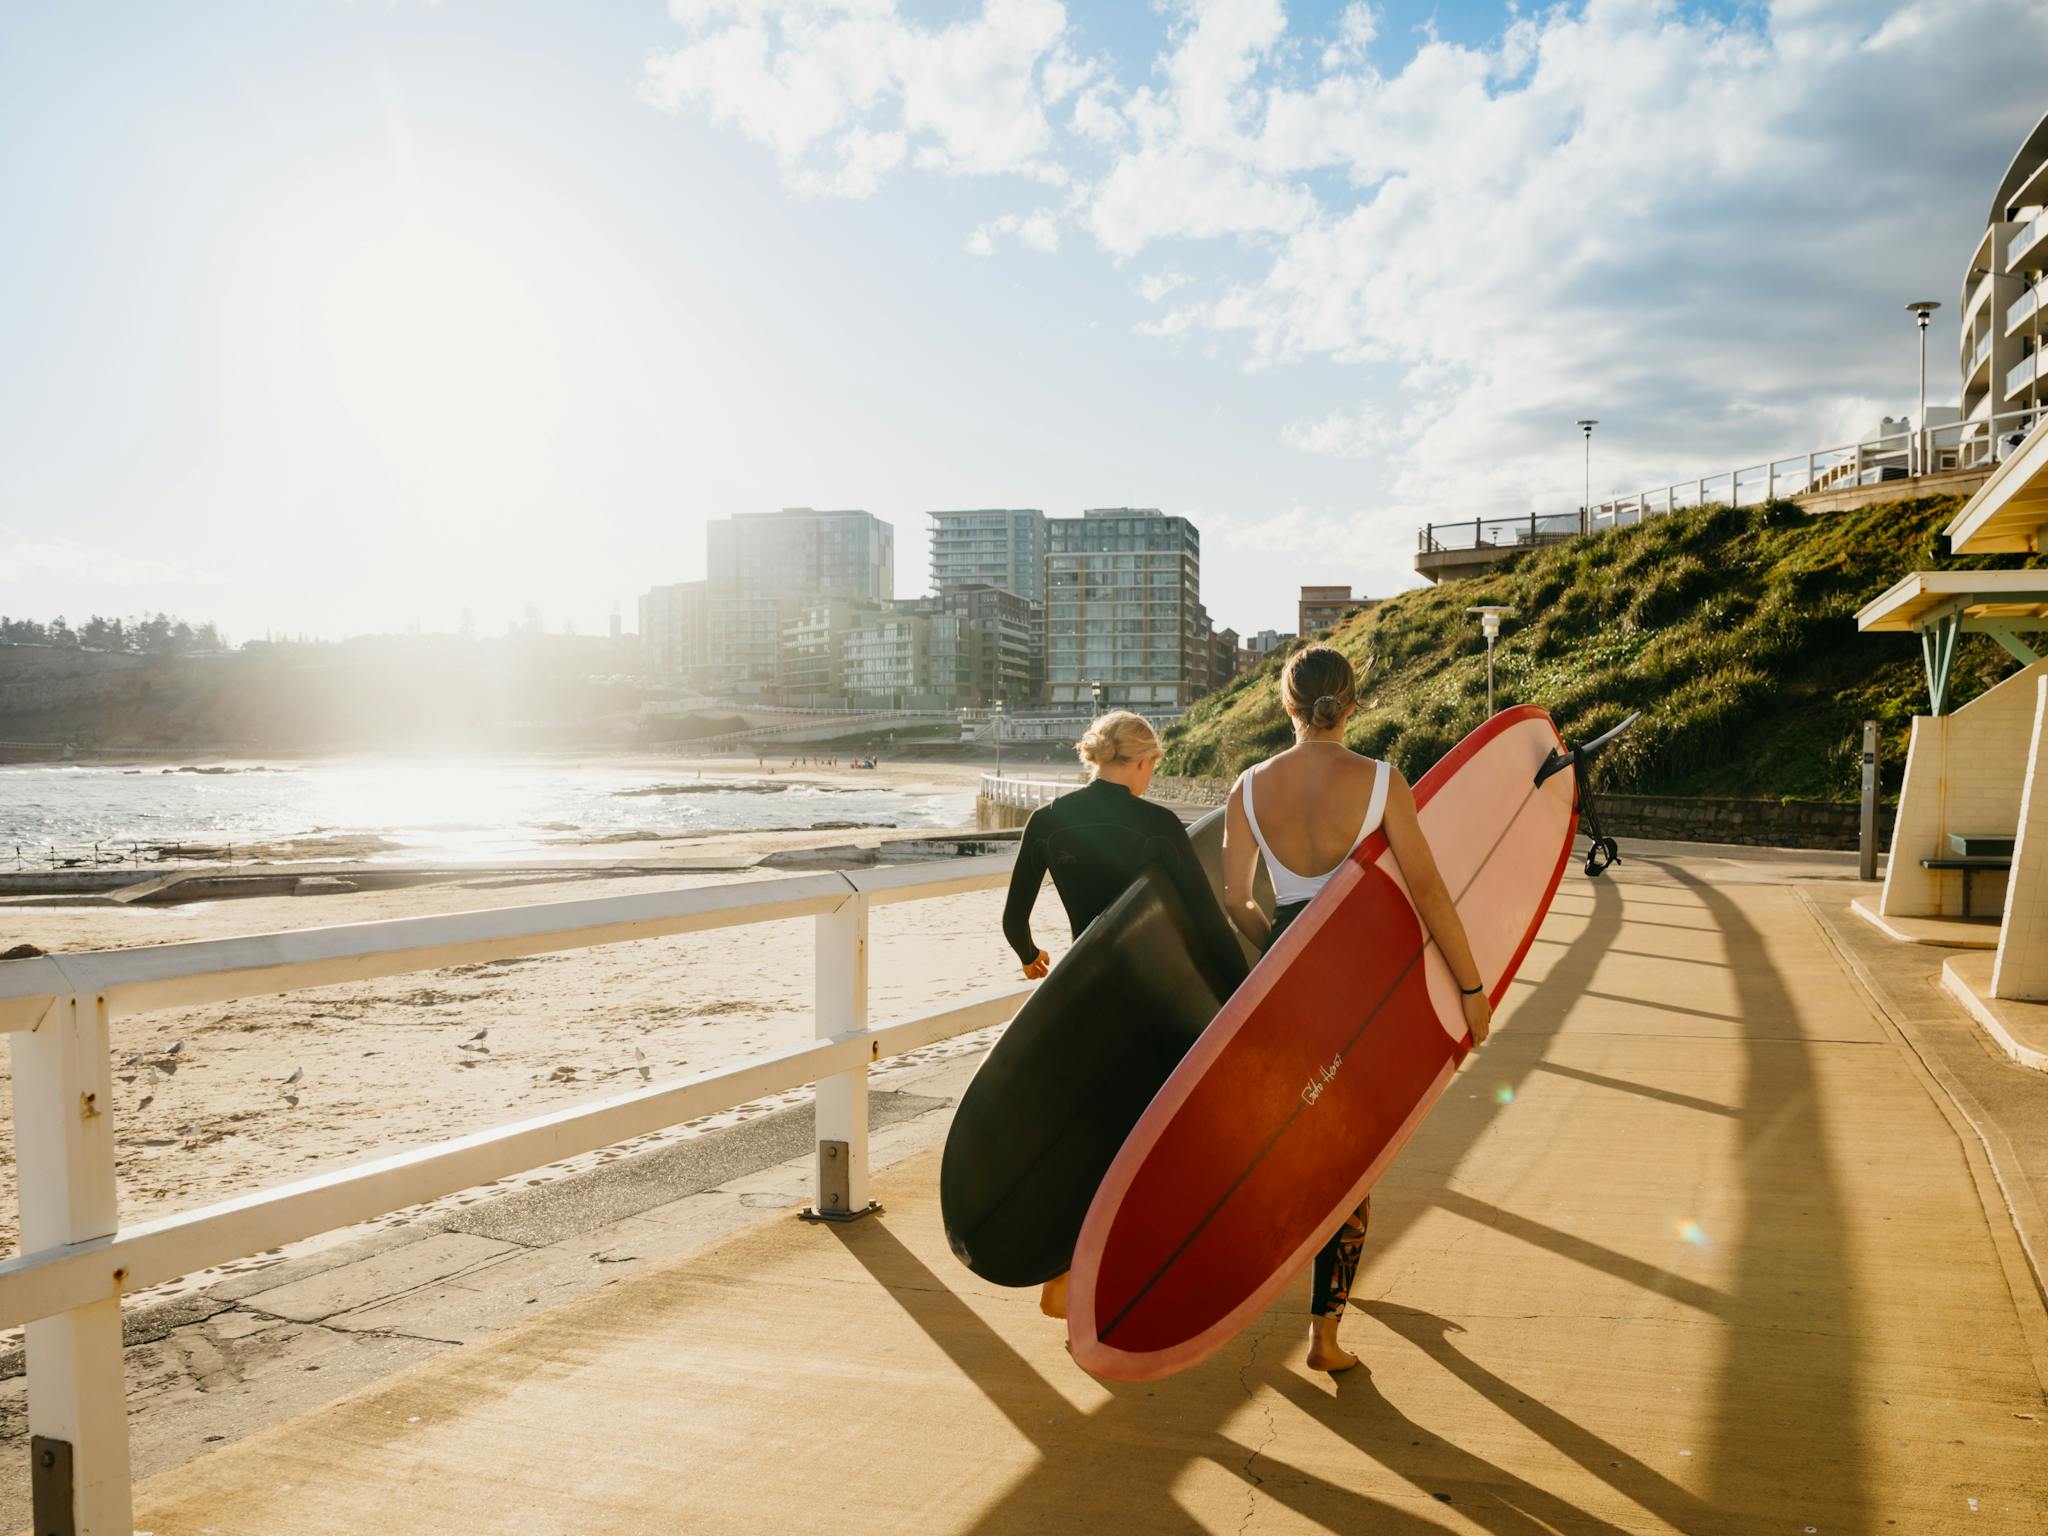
x=202, y=1105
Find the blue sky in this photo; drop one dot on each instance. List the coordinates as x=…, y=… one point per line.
x=337, y=317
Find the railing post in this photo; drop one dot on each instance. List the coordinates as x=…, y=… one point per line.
x=64, y=1158
x=1809, y=472
x=842, y=1008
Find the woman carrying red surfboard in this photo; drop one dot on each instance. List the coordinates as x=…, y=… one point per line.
x=1309, y=808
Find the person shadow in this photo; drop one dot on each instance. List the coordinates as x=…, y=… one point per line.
x=1122, y=1461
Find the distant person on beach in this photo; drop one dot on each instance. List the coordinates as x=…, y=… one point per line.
x=1309, y=808
x=1095, y=842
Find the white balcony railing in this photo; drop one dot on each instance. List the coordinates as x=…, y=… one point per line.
x=2024, y=239
x=2023, y=373
x=1983, y=350
x=2020, y=310
x=77, y=1259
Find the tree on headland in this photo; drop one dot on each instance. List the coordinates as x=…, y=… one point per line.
x=156, y=634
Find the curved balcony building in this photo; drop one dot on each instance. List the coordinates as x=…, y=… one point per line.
x=2003, y=293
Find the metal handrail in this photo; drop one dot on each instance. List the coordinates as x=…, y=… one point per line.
x=1978, y=442
x=77, y=1260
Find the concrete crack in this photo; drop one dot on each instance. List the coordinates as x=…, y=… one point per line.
x=379, y=1333
x=1252, y=1479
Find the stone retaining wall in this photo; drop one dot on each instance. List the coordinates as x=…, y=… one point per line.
x=1764, y=823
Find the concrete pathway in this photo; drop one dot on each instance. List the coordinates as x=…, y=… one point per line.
x=1699, y=1243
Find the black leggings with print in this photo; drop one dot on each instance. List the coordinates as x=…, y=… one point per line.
x=1336, y=1263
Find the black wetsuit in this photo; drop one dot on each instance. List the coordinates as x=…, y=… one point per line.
x=1095, y=842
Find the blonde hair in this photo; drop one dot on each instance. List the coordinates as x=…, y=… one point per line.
x=1318, y=685
x=1121, y=736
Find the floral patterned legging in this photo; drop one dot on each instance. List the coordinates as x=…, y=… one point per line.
x=1337, y=1260
x=1337, y=1263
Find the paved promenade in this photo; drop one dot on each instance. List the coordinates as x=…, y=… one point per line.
x=1700, y=1243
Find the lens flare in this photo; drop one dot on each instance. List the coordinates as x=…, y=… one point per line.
x=1691, y=1232
x=1503, y=1094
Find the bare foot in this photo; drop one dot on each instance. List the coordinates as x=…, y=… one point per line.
x=1324, y=1352
x=1052, y=1299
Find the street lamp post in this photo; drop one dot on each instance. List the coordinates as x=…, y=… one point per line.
x=1489, y=625
x=1585, y=507
x=1921, y=309
x=996, y=717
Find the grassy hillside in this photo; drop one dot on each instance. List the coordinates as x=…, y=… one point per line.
x=1733, y=630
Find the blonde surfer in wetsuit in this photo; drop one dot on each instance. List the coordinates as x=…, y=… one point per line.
x=1095, y=842
x=1309, y=808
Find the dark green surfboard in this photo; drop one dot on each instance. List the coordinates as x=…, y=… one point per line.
x=1049, y=1109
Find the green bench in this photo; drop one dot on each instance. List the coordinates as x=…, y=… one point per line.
x=1973, y=853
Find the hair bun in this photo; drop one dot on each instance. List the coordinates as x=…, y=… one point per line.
x=1117, y=737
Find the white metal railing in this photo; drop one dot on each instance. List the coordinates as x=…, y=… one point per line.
x=1983, y=350
x=2024, y=372
x=1025, y=794
x=77, y=1260
x=1980, y=442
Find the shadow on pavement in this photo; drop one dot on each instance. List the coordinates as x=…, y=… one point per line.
x=1787, y=1431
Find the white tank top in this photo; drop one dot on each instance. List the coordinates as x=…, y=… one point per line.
x=1289, y=887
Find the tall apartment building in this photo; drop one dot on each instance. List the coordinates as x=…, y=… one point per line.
x=990, y=546
x=1122, y=588
x=812, y=665
x=764, y=567
x=908, y=655
x=674, y=632
x=2004, y=360
x=1004, y=638
x=845, y=554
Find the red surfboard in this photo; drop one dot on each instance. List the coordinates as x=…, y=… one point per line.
x=1292, y=1104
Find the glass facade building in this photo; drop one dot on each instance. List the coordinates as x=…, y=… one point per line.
x=1122, y=610
x=766, y=567
x=991, y=546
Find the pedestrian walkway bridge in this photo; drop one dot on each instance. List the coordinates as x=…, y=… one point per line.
x=1700, y=1242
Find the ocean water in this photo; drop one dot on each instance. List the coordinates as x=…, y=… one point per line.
x=443, y=809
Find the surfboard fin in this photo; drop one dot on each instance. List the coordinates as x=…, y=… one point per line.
x=1603, y=850
x=1585, y=752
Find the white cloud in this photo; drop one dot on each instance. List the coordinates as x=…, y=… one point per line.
x=1357, y=26
x=1157, y=285
x=792, y=74
x=1039, y=231
x=1343, y=434
x=1699, y=230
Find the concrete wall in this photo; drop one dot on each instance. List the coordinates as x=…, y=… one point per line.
x=1964, y=773
x=2021, y=971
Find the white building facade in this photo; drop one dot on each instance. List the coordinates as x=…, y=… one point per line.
x=2003, y=358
